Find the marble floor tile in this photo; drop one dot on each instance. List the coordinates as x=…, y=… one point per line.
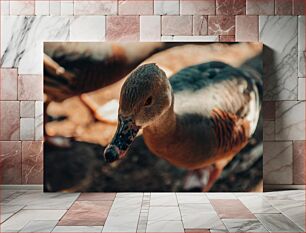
x=279, y=35
x=199, y=216
x=6, y=193
x=220, y=196
x=295, y=195
x=9, y=210
x=91, y=213
x=165, y=226
x=294, y=210
x=225, y=209
x=168, y=213
x=77, y=229
x=20, y=219
x=124, y=217
x=277, y=223
x=257, y=205
x=22, y=37
x=164, y=199
x=97, y=197
x=185, y=198
x=238, y=225
x=39, y=200
x=39, y=226
x=129, y=195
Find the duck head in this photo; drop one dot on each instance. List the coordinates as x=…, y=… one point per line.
x=145, y=96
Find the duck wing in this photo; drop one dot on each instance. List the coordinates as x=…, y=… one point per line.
x=219, y=91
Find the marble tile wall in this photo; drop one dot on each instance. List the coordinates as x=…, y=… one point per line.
x=279, y=24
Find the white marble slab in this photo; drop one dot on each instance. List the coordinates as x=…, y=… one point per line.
x=301, y=46
x=124, y=214
x=150, y=28
x=257, y=205
x=185, y=198
x=277, y=161
x=77, y=229
x=199, y=216
x=39, y=200
x=5, y=7
x=167, y=199
x=166, y=7
x=39, y=226
x=277, y=223
x=290, y=120
x=301, y=89
x=27, y=131
x=165, y=226
x=168, y=213
x=87, y=28
x=39, y=118
x=294, y=210
x=55, y=7
x=22, y=40
x=66, y=7
x=279, y=34
x=42, y=7
x=190, y=38
x=20, y=219
x=9, y=210
x=294, y=195
x=242, y=225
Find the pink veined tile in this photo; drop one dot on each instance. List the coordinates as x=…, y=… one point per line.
x=195, y=7
x=86, y=213
x=221, y=25
x=8, y=84
x=10, y=162
x=122, y=28
x=32, y=162
x=176, y=25
x=97, y=197
x=200, y=25
x=283, y=7
x=224, y=38
x=22, y=7
x=247, y=28
x=269, y=110
x=30, y=87
x=299, y=7
x=260, y=7
x=95, y=7
x=231, y=208
x=135, y=7
x=230, y=7
x=27, y=108
x=299, y=162
x=9, y=120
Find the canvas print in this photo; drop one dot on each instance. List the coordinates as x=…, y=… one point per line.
x=153, y=117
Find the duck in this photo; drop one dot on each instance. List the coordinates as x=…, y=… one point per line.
x=201, y=116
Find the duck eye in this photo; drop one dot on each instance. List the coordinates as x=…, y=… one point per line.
x=148, y=101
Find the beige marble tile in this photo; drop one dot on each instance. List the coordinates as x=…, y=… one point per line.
x=277, y=162
x=290, y=120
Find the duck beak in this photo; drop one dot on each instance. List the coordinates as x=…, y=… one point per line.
x=124, y=136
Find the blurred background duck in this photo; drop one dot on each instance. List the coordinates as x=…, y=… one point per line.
x=202, y=116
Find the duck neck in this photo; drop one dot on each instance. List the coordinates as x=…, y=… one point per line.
x=165, y=126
